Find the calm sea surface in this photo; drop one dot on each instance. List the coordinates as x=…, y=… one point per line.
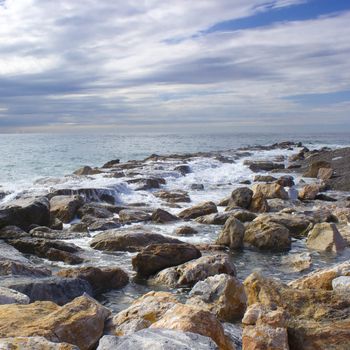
x=26, y=157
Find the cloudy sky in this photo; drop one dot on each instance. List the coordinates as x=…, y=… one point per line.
x=174, y=65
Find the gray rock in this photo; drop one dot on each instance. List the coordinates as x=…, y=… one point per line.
x=11, y=296
x=33, y=343
x=158, y=339
x=341, y=284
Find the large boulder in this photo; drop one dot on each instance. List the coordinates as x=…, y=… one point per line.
x=309, y=192
x=198, y=210
x=133, y=215
x=101, y=279
x=156, y=257
x=259, y=204
x=314, y=168
x=25, y=212
x=286, y=181
x=326, y=237
x=132, y=240
x=267, y=236
x=162, y=216
x=222, y=295
x=12, y=232
x=79, y=322
x=189, y=318
x=232, y=234
x=11, y=296
x=65, y=208
x=196, y=270
x=34, y=343
x=157, y=339
x=241, y=197
x=269, y=191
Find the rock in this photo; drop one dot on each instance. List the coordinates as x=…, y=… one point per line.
x=48, y=233
x=132, y=240
x=324, y=197
x=11, y=296
x=141, y=313
x=58, y=290
x=104, y=225
x=241, y=197
x=101, y=279
x=158, y=339
x=297, y=262
x=257, y=166
x=79, y=322
x=25, y=212
x=286, y=181
x=259, y=204
x=324, y=173
x=198, y=210
x=193, y=271
x=232, y=234
x=326, y=237
x=341, y=284
x=269, y=191
x=9, y=232
x=87, y=170
x=7, y=252
x=322, y=278
x=221, y=218
x=185, y=231
x=96, y=210
x=9, y=267
x=197, y=187
x=147, y=183
x=309, y=192
x=192, y=319
x=56, y=224
x=131, y=215
x=156, y=257
x=222, y=295
x=315, y=167
x=224, y=202
x=264, y=178
x=183, y=169
x=52, y=250
x=161, y=216
x=65, y=207
x=34, y=343
x=111, y=164
x=173, y=196
x=267, y=236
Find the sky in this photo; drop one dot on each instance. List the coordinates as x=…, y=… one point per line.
x=174, y=65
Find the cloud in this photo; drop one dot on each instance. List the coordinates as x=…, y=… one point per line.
x=153, y=63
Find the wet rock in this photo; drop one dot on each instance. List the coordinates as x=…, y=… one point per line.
x=157, y=339
x=65, y=208
x=9, y=232
x=324, y=173
x=87, y=170
x=214, y=219
x=222, y=295
x=183, y=169
x=224, y=202
x=197, y=187
x=9, y=267
x=232, y=234
x=96, y=210
x=11, y=296
x=34, y=343
x=111, y=164
x=314, y=168
x=326, y=237
x=324, y=197
x=297, y=262
x=132, y=240
x=259, y=204
x=198, y=210
x=257, y=166
x=79, y=322
x=48, y=233
x=130, y=215
x=104, y=224
x=58, y=290
x=309, y=192
x=286, y=181
x=89, y=194
x=147, y=183
x=101, y=279
x=341, y=284
x=141, y=313
x=192, y=319
x=50, y=249
x=185, y=231
x=56, y=224
x=162, y=216
x=264, y=178
x=241, y=197
x=193, y=271
x=25, y=212
x=173, y=196
x=156, y=257
x=267, y=236
x=269, y=191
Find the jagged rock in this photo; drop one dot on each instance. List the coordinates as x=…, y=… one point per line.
x=222, y=295
x=193, y=271
x=314, y=168
x=34, y=343
x=185, y=231
x=241, y=197
x=131, y=215
x=158, y=339
x=162, y=216
x=11, y=296
x=100, y=279
x=198, y=210
x=269, y=191
x=232, y=234
x=65, y=208
x=326, y=237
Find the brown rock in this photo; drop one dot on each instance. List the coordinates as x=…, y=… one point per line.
x=315, y=167
x=34, y=343
x=173, y=196
x=269, y=191
x=131, y=215
x=232, y=234
x=259, y=204
x=162, y=216
x=185, y=231
x=324, y=173
x=198, y=210
x=87, y=170
x=65, y=208
x=309, y=192
x=241, y=197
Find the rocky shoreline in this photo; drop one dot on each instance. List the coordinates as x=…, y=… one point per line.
x=264, y=267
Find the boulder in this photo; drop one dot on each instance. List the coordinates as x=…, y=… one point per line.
x=269, y=191
x=162, y=216
x=11, y=296
x=257, y=166
x=87, y=170
x=341, y=284
x=189, y=318
x=111, y=164
x=79, y=322
x=10, y=267
x=173, y=196
x=101, y=279
x=221, y=218
x=259, y=204
x=241, y=197
x=309, y=192
x=326, y=237
x=131, y=240
x=157, y=339
x=314, y=168
x=65, y=208
x=325, y=173
x=267, y=236
x=222, y=295
x=193, y=271
x=34, y=343
x=297, y=262
x=183, y=169
x=198, y=210
x=12, y=232
x=96, y=210
x=132, y=215
x=104, y=225
x=232, y=234
x=264, y=178
x=25, y=212
x=286, y=181
x=185, y=231
x=58, y=290
x=156, y=257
